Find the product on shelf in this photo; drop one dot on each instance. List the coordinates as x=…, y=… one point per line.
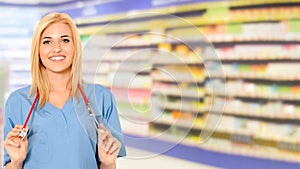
x=250, y=78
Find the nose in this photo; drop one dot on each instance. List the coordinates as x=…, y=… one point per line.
x=57, y=47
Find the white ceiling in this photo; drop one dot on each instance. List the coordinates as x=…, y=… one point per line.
x=32, y=2
x=45, y=2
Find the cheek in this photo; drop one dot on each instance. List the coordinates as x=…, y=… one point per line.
x=43, y=52
x=70, y=49
x=70, y=52
x=43, y=60
x=43, y=55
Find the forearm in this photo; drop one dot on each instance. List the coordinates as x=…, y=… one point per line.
x=110, y=166
x=14, y=165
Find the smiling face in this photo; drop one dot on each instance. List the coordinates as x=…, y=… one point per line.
x=57, y=48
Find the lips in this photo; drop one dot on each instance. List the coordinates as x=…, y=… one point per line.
x=57, y=58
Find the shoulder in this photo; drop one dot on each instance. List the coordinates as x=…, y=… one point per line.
x=17, y=101
x=98, y=89
x=19, y=94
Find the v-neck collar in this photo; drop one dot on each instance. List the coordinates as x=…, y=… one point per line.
x=66, y=107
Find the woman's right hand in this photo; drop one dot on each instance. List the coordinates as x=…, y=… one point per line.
x=15, y=147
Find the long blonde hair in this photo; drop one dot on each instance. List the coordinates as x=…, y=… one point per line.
x=40, y=80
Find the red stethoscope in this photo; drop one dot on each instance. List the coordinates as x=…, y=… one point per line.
x=24, y=131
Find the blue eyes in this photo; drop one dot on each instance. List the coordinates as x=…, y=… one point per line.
x=47, y=42
x=66, y=40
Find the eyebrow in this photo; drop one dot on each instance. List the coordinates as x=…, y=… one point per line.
x=63, y=36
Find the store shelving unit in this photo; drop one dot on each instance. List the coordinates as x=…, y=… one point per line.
x=261, y=79
x=15, y=41
x=258, y=45
x=178, y=76
x=122, y=67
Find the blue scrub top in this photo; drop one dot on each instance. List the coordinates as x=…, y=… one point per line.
x=63, y=138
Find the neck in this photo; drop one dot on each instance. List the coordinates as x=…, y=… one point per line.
x=60, y=82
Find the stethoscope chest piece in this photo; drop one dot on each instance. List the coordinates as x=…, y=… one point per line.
x=23, y=133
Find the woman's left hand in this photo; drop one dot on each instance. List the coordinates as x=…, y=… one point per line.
x=108, y=147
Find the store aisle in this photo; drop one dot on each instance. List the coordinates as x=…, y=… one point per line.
x=160, y=161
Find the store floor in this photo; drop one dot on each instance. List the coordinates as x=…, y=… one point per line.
x=160, y=161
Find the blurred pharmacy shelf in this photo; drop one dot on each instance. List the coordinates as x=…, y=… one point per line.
x=168, y=66
x=168, y=63
x=15, y=41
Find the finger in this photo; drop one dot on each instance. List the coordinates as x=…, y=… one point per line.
x=16, y=129
x=18, y=126
x=100, y=131
x=102, y=136
x=102, y=140
x=12, y=134
x=102, y=126
x=109, y=144
x=12, y=142
x=24, y=140
x=115, y=148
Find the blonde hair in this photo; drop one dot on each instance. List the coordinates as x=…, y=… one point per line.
x=40, y=80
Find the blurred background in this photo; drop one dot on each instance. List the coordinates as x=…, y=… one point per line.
x=198, y=83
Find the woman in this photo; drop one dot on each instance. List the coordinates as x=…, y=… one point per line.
x=59, y=131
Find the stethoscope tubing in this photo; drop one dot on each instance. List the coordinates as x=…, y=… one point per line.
x=86, y=101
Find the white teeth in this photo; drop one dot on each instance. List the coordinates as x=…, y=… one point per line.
x=57, y=58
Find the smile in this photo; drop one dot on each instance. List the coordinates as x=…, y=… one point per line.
x=57, y=58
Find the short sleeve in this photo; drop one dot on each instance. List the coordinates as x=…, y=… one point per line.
x=8, y=125
x=111, y=118
x=113, y=123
